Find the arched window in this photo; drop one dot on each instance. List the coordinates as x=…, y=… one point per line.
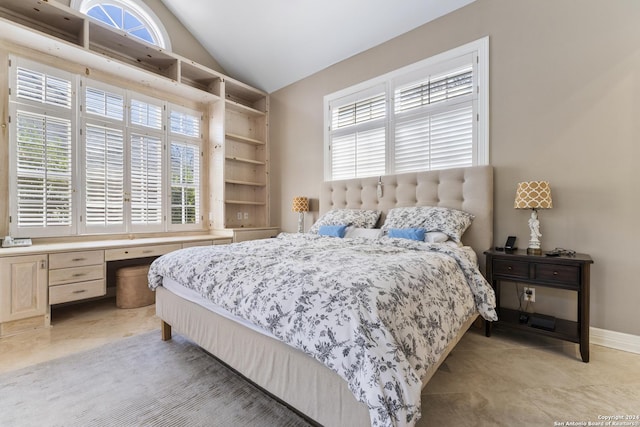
x=130, y=16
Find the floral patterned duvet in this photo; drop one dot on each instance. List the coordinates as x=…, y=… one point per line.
x=377, y=312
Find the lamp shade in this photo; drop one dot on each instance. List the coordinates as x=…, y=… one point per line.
x=300, y=204
x=533, y=195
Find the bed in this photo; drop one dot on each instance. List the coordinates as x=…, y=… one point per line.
x=272, y=344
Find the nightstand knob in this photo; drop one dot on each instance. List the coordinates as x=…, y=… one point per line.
x=555, y=273
x=509, y=268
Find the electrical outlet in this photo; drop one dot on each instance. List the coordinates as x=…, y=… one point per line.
x=246, y=215
x=239, y=216
x=529, y=294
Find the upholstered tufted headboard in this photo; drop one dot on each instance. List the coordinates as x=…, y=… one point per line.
x=468, y=189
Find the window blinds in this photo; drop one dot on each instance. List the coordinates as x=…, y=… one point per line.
x=185, y=167
x=43, y=151
x=131, y=152
x=424, y=116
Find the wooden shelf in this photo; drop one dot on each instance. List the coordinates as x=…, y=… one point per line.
x=248, y=183
x=241, y=108
x=565, y=329
x=50, y=18
x=244, y=202
x=243, y=93
x=200, y=76
x=118, y=44
x=244, y=139
x=243, y=160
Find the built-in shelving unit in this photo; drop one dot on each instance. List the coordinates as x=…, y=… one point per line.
x=238, y=116
x=243, y=157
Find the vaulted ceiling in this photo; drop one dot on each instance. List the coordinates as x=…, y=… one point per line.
x=271, y=44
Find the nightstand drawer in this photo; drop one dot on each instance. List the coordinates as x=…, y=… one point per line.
x=509, y=268
x=557, y=273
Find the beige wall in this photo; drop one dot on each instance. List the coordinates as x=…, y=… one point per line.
x=565, y=107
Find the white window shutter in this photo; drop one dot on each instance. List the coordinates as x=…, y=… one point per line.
x=104, y=178
x=43, y=171
x=429, y=115
x=185, y=183
x=126, y=165
x=146, y=181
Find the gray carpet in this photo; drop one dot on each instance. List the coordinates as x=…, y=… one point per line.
x=138, y=381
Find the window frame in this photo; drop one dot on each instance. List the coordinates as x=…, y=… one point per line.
x=137, y=8
x=32, y=107
x=479, y=49
x=185, y=140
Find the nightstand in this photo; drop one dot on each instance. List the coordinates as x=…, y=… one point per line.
x=561, y=272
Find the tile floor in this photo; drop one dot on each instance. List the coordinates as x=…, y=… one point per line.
x=510, y=379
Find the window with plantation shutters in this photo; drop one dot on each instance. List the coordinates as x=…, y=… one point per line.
x=103, y=131
x=41, y=152
x=185, y=156
x=146, y=180
x=90, y=158
x=426, y=116
x=358, y=134
x=104, y=178
x=146, y=152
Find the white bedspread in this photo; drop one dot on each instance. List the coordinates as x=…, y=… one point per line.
x=377, y=312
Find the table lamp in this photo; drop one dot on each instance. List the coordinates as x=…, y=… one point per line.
x=533, y=195
x=300, y=205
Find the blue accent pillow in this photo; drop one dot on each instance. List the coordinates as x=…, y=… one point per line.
x=332, y=230
x=408, y=233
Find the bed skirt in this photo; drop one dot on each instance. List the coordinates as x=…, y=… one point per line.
x=289, y=374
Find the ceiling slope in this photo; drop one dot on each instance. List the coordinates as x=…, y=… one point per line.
x=271, y=44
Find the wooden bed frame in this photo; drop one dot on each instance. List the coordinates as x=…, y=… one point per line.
x=289, y=374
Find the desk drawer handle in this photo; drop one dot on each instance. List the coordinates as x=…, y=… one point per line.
x=78, y=259
x=79, y=275
x=79, y=291
x=126, y=252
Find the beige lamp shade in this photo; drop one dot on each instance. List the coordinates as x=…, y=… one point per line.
x=533, y=195
x=300, y=204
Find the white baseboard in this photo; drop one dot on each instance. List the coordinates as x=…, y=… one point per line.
x=617, y=340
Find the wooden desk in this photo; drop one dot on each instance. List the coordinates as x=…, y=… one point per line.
x=35, y=277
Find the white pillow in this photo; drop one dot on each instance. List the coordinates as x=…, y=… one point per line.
x=365, y=233
x=435, y=237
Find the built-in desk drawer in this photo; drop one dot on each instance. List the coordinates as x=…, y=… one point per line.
x=76, y=291
x=140, y=251
x=198, y=243
x=76, y=274
x=75, y=259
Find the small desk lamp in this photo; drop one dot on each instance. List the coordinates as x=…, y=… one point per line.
x=533, y=195
x=300, y=205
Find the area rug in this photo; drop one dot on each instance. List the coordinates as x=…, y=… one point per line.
x=138, y=381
